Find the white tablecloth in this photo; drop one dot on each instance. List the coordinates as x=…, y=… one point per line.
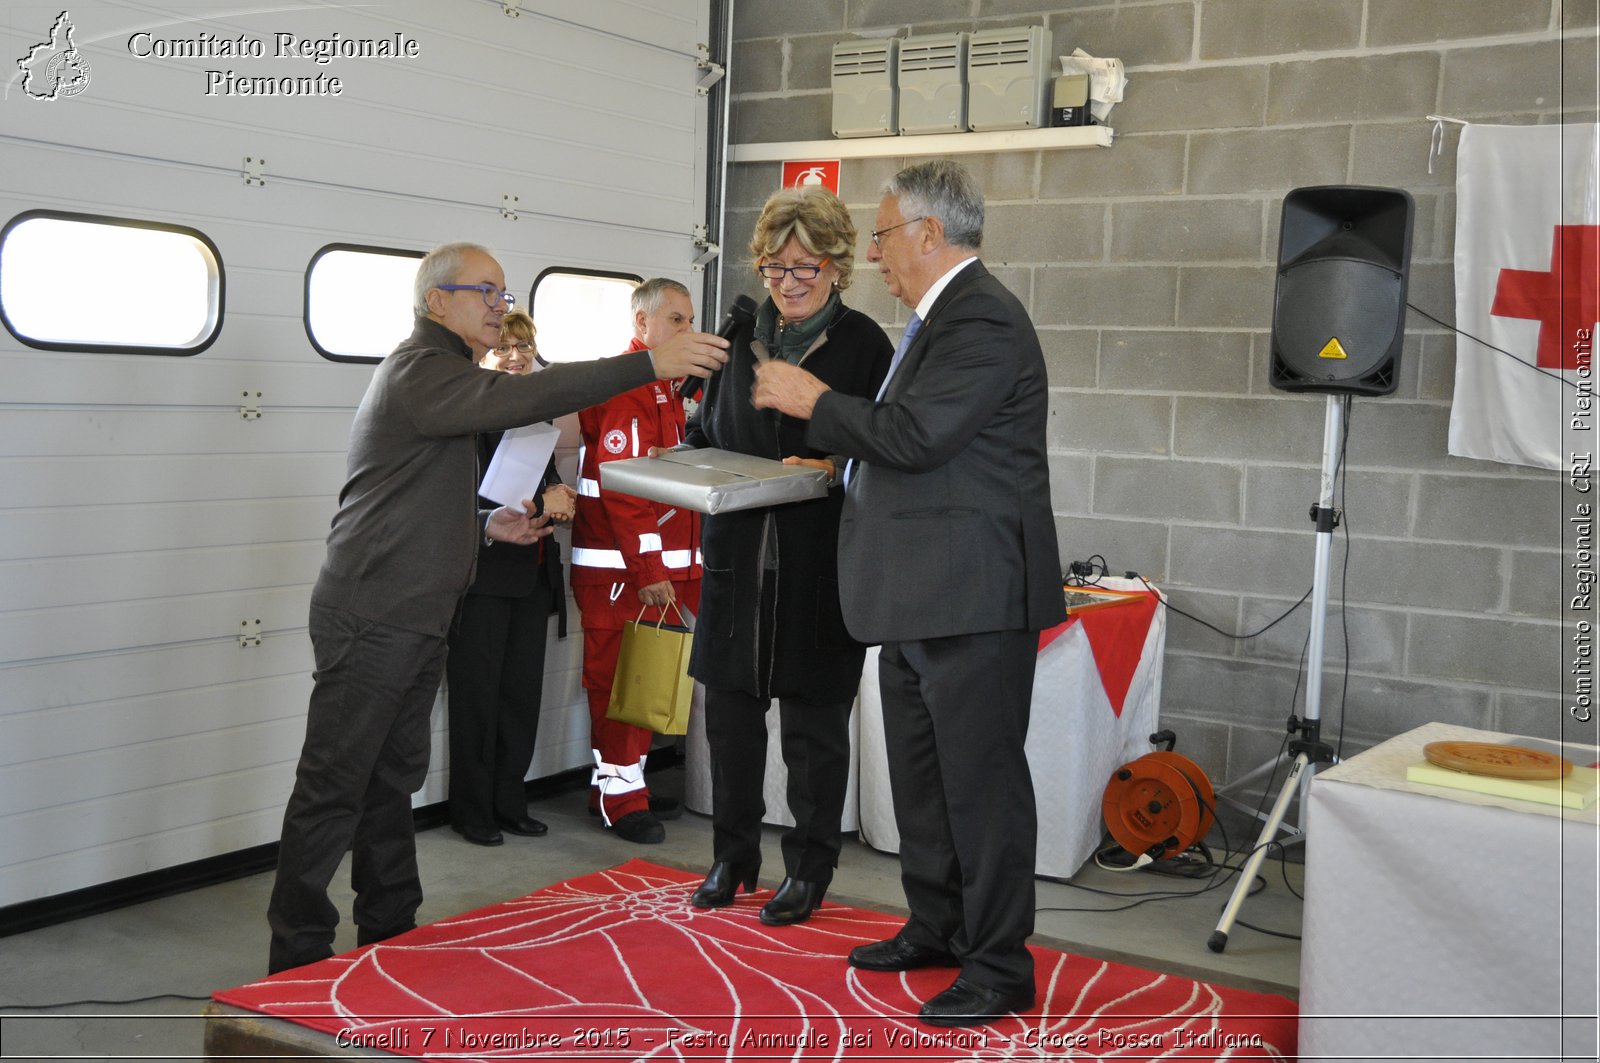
x=1442, y=924
x=1075, y=742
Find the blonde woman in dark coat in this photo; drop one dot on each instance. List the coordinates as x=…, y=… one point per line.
x=770, y=625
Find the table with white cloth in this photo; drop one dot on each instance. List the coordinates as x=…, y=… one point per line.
x=1096, y=700
x=1443, y=923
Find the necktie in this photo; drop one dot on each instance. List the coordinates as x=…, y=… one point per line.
x=913, y=327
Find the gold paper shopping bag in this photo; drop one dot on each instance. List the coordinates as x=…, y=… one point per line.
x=652, y=688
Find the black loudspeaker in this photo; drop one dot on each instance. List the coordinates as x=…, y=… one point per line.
x=1338, y=317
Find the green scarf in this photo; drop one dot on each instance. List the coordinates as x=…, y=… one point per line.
x=791, y=341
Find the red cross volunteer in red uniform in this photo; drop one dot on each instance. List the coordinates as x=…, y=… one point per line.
x=629, y=553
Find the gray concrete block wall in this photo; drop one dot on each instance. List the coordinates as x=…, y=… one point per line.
x=1149, y=268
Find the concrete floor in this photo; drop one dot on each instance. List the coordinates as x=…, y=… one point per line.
x=216, y=937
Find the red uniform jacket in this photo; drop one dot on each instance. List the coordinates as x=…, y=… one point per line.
x=619, y=538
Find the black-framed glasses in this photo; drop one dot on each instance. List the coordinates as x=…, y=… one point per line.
x=504, y=349
x=877, y=234
x=492, y=296
x=774, y=272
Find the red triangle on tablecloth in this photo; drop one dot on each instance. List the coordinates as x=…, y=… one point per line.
x=1116, y=637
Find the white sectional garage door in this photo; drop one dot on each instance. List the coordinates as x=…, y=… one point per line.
x=162, y=517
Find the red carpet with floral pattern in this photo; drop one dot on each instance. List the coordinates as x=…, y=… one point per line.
x=616, y=966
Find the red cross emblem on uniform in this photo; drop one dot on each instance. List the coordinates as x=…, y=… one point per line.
x=1563, y=299
x=615, y=441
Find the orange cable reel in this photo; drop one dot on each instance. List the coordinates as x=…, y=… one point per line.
x=1158, y=805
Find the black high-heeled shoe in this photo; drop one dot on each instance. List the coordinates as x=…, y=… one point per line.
x=794, y=902
x=722, y=882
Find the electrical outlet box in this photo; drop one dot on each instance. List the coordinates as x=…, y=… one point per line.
x=1008, y=78
x=865, y=96
x=933, y=83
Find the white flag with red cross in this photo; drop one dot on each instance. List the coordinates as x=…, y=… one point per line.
x=1527, y=281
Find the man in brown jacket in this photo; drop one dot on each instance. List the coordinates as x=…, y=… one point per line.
x=400, y=556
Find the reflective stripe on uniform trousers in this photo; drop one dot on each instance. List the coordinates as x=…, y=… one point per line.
x=615, y=780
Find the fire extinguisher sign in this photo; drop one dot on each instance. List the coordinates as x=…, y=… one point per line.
x=823, y=174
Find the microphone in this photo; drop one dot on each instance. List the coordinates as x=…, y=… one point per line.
x=740, y=314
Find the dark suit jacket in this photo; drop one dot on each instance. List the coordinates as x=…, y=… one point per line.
x=509, y=571
x=947, y=528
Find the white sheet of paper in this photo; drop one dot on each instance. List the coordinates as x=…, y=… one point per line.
x=518, y=463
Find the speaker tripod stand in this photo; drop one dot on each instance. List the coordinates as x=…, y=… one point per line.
x=1308, y=750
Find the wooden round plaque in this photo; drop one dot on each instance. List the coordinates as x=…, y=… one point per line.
x=1497, y=761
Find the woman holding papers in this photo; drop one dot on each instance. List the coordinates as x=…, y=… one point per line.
x=495, y=669
x=770, y=625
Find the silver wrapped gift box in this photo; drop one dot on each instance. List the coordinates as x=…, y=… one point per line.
x=713, y=481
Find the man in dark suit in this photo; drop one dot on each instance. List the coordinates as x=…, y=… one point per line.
x=947, y=556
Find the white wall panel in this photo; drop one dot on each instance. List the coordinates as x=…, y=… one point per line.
x=141, y=517
x=35, y=534
x=111, y=479
x=34, y=634
x=135, y=577
x=117, y=430
x=64, y=687
x=48, y=736
x=568, y=105
x=79, y=378
x=171, y=845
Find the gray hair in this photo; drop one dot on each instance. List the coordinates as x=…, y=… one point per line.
x=945, y=190
x=440, y=266
x=648, y=295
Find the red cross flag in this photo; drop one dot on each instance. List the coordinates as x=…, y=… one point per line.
x=1527, y=280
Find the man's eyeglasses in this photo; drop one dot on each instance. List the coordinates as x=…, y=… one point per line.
x=774, y=272
x=505, y=349
x=492, y=296
x=877, y=234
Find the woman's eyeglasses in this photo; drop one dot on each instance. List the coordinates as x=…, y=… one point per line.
x=774, y=272
x=506, y=349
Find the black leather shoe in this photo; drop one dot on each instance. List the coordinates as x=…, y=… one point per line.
x=526, y=826
x=793, y=903
x=722, y=882
x=639, y=827
x=970, y=1004
x=896, y=955
x=480, y=835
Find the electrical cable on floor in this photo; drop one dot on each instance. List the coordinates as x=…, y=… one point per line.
x=1256, y=887
x=1141, y=898
x=1207, y=861
x=106, y=1003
